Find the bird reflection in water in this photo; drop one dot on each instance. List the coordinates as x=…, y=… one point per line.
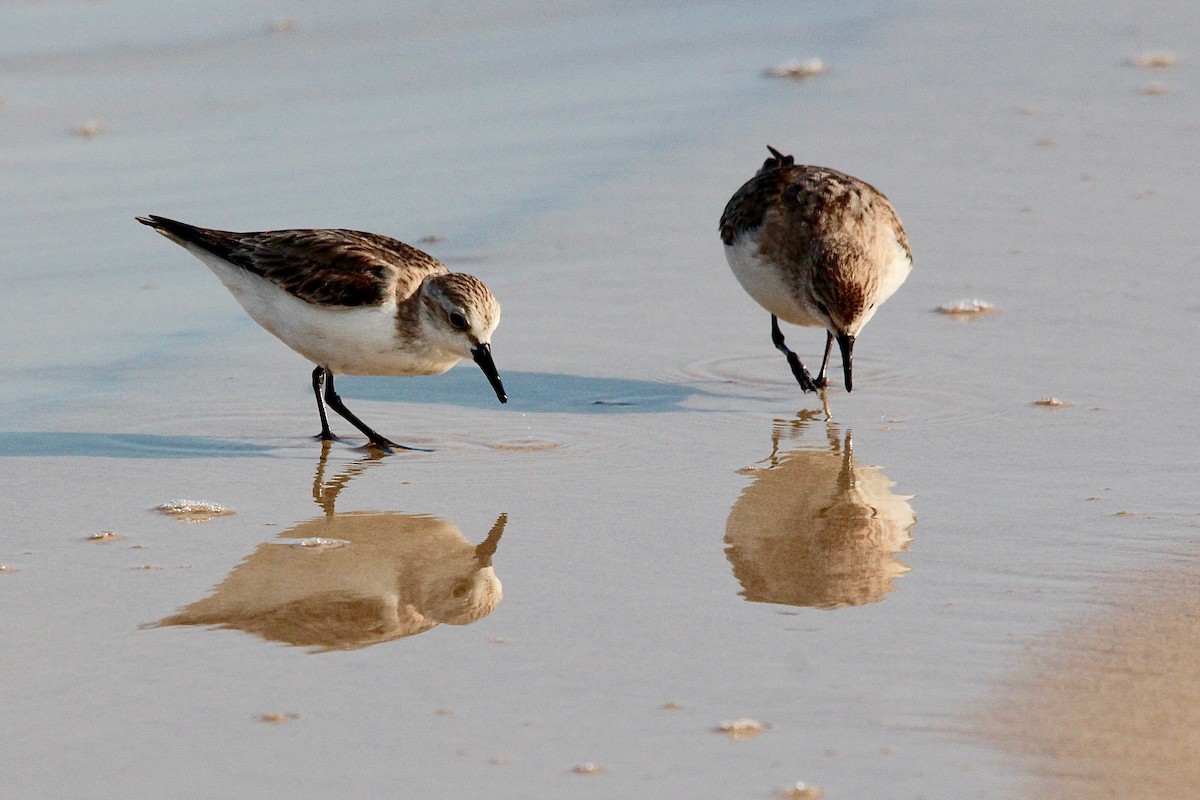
x=353, y=579
x=815, y=528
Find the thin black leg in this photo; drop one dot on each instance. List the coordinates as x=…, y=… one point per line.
x=318, y=379
x=820, y=381
x=802, y=377
x=335, y=402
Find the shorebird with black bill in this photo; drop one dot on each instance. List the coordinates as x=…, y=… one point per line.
x=353, y=303
x=818, y=248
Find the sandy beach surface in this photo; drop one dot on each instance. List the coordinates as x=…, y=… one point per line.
x=947, y=590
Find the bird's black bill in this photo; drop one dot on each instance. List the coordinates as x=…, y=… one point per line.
x=846, y=343
x=483, y=357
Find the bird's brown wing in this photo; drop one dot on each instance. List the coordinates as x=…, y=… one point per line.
x=324, y=267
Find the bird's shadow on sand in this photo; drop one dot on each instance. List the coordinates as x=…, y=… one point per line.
x=547, y=392
x=527, y=392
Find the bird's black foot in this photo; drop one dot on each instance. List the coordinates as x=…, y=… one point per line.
x=801, y=374
x=798, y=370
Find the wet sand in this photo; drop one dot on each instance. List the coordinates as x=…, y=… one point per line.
x=577, y=159
x=1110, y=705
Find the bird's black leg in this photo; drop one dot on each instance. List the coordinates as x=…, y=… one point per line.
x=318, y=379
x=335, y=402
x=802, y=377
x=820, y=382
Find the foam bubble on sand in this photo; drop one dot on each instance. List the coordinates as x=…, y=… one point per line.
x=193, y=510
x=966, y=308
x=320, y=543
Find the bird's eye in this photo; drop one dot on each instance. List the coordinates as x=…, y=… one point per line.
x=458, y=320
x=460, y=589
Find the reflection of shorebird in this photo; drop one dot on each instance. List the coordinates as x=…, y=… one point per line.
x=817, y=529
x=355, y=579
x=353, y=303
x=814, y=247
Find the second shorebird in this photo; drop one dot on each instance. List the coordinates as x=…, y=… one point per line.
x=815, y=247
x=353, y=303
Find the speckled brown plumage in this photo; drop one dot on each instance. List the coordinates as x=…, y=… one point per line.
x=822, y=209
x=332, y=267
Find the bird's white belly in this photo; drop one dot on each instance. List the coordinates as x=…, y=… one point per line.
x=346, y=340
x=767, y=284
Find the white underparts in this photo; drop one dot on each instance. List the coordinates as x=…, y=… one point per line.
x=766, y=283
x=346, y=340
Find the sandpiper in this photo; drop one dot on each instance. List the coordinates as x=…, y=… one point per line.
x=815, y=247
x=353, y=303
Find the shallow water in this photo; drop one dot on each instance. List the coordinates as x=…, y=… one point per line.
x=659, y=576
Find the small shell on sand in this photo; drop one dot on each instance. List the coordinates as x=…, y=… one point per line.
x=277, y=717
x=105, y=536
x=966, y=308
x=589, y=768
x=1051, y=402
x=801, y=791
x=1154, y=60
x=193, y=510
x=741, y=729
x=5, y=568
x=797, y=70
x=87, y=129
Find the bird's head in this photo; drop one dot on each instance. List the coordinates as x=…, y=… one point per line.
x=844, y=314
x=459, y=315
